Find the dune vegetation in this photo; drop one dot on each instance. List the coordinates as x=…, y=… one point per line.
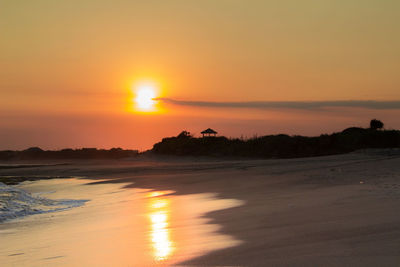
x=281, y=145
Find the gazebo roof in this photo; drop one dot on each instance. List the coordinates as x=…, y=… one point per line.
x=209, y=131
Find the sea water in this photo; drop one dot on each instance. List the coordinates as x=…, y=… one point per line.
x=16, y=203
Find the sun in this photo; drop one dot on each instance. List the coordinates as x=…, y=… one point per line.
x=145, y=94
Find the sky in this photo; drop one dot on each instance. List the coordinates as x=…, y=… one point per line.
x=69, y=70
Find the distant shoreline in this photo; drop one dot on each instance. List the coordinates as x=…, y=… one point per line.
x=268, y=146
x=68, y=153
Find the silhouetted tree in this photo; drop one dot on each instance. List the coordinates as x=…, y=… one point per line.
x=376, y=124
x=184, y=134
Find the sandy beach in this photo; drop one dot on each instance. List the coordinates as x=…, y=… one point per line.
x=337, y=210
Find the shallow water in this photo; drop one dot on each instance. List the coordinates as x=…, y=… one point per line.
x=16, y=203
x=117, y=226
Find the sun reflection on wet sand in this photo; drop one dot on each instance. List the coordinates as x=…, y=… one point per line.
x=160, y=234
x=117, y=227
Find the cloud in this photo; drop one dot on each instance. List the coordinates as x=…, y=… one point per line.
x=305, y=105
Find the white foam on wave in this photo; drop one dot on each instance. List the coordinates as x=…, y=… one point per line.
x=15, y=203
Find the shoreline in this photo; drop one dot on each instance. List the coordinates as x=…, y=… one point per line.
x=160, y=233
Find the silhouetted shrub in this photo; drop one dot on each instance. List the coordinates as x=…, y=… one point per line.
x=376, y=124
x=184, y=134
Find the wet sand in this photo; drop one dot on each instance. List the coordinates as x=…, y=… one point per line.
x=340, y=210
x=116, y=227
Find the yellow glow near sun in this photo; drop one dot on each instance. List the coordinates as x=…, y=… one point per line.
x=141, y=96
x=144, y=97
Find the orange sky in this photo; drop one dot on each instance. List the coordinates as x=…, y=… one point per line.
x=67, y=67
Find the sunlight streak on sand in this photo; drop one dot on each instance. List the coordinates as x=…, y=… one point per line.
x=160, y=233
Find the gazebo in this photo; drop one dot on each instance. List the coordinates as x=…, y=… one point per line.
x=209, y=132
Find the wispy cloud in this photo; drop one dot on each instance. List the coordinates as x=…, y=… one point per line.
x=369, y=104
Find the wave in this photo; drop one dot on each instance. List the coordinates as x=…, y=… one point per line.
x=16, y=203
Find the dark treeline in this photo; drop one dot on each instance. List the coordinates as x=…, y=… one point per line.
x=83, y=153
x=280, y=146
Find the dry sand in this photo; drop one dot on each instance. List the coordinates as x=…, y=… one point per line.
x=340, y=210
